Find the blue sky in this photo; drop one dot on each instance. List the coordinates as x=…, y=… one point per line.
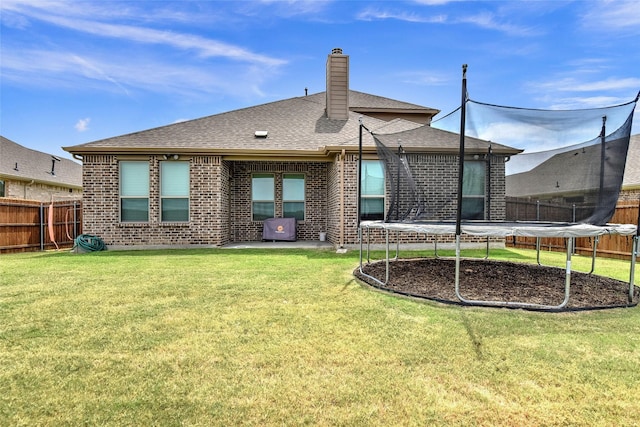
x=78, y=71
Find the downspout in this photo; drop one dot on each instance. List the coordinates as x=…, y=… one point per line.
x=342, y=156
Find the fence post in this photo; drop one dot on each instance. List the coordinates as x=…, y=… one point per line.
x=75, y=221
x=41, y=226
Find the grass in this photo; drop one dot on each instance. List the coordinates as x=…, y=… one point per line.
x=287, y=337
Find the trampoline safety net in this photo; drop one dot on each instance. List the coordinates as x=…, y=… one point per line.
x=569, y=161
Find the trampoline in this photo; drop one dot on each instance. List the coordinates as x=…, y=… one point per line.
x=567, y=231
x=580, y=170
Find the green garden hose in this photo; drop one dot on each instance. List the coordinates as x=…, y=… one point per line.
x=90, y=243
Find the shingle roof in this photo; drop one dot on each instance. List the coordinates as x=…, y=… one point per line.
x=24, y=164
x=295, y=126
x=437, y=140
x=568, y=172
x=365, y=101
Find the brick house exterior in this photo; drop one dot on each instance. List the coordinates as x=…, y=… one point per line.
x=315, y=136
x=33, y=175
x=630, y=191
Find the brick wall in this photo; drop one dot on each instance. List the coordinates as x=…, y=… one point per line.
x=436, y=175
x=209, y=219
x=629, y=195
x=339, y=209
x=15, y=189
x=220, y=200
x=243, y=228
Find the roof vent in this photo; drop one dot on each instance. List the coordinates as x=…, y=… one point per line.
x=261, y=133
x=54, y=159
x=336, y=51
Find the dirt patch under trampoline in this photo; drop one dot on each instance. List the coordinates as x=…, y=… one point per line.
x=488, y=280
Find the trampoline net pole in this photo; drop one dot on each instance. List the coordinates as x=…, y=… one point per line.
x=632, y=268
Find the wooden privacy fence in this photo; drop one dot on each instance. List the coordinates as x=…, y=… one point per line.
x=607, y=246
x=27, y=225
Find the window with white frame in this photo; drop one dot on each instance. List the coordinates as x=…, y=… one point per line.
x=293, y=196
x=473, y=190
x=174, y=191
x=372, y=192
x=134, y=191
x=263, y=204
x=1, y=188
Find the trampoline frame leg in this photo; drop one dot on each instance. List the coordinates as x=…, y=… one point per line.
x=516, y=304
x=490, y=303
x=632, y=268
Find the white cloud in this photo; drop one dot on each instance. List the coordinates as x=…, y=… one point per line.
x=291, y=8
x=83, y=19
x=571, y=93
x=82, y=125
x=104, y=10
x=372, y=14
x=489, y=21
x=205, y=47
x=612, y=16
x=211, y=66
x=53, y=69
x=574, y=85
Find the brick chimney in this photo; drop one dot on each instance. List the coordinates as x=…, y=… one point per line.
x=337, y=85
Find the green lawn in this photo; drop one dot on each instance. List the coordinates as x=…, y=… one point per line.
x=288, y=337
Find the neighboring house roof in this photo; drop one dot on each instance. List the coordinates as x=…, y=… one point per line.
x=24, y=164
x=569, y=172
x=632, y=168
x=295, y=127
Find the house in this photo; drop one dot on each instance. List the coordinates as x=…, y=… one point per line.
x=631, y=181
x=215, y=180
x=578, y=183
x=34, y=175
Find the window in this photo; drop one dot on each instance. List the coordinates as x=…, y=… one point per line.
x=473, y=187
x=372, y=190
x=134, y=191
x=1, y=188
x=174, y=191
x=293, y=196
x=263, y=204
